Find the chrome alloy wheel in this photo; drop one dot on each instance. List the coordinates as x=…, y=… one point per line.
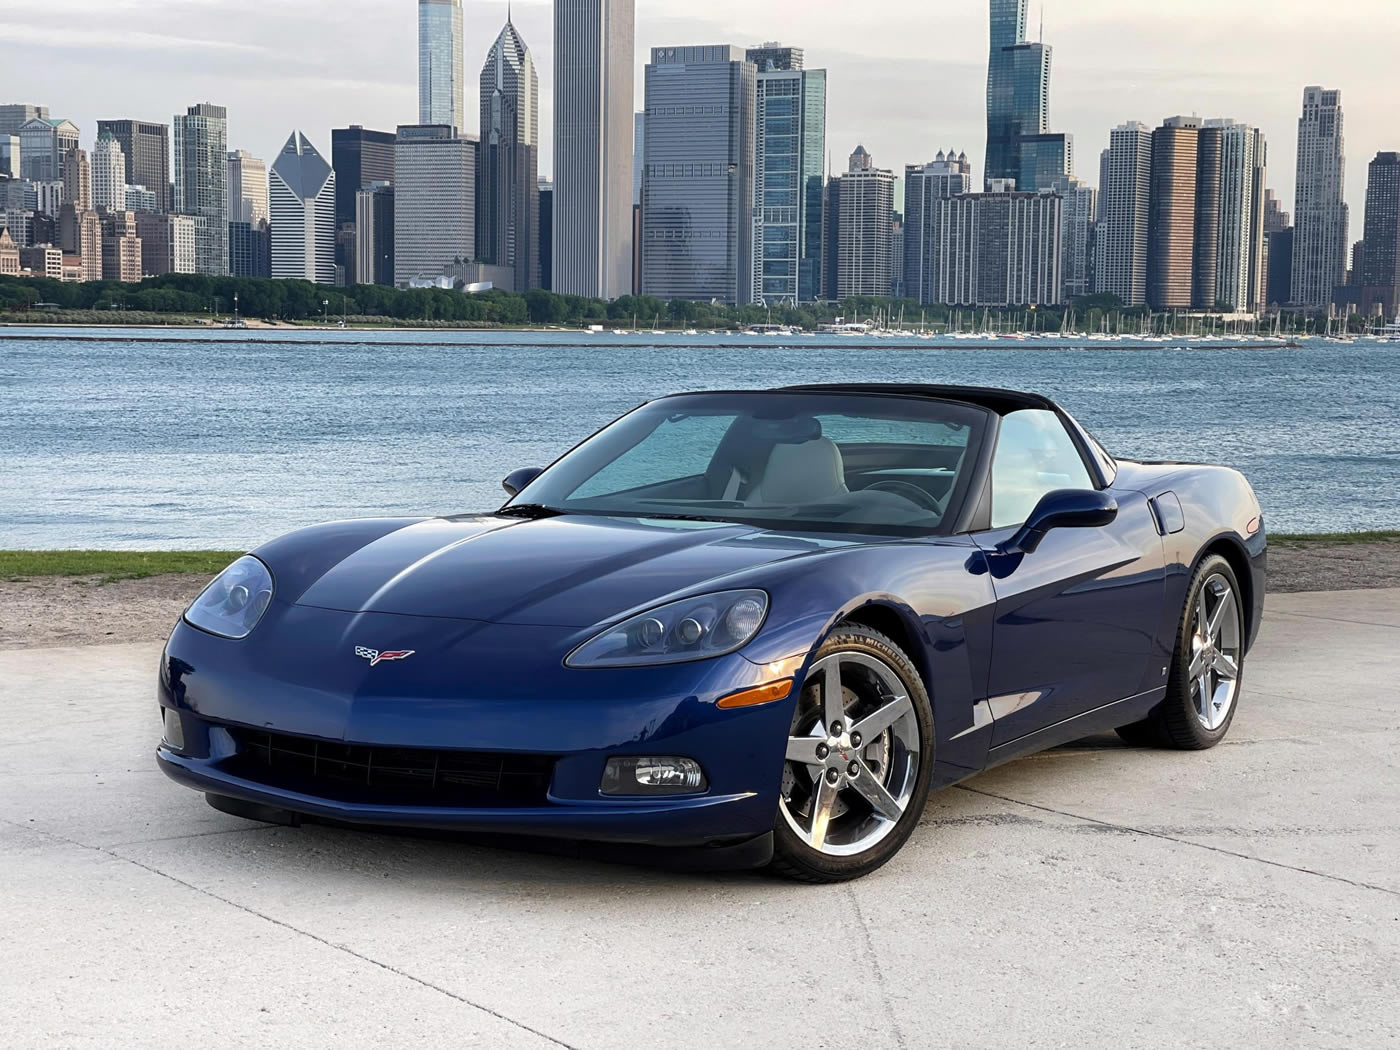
x=852, y=755
x=1215, y=652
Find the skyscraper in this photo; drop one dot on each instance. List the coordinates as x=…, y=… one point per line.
x=121, y=247
x=108, y=173
x=999, y=248
x=1125, y=190
x=44, y=143
x=303, y=213
x=507, y=178
x=1241, y=262
x=434, y=200
x=15, y=116
x=947, y=175
x=201, y=182
x=1380, y=278
x=545, y=234
x=360, y=157
x=1320, y=213
x=247, y=189
x=77, y=179
x=1020, y=144
x=374, y=235
x=146, y=149
x=593, y=54
x=865, y=242
x=789, y=158
x=697, y=182
x=1172, y=240
x=1077, y=231
x=441, y=87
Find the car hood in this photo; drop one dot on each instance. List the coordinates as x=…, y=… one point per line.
x=569, y=571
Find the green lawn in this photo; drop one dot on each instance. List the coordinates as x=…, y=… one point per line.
x=112, y=565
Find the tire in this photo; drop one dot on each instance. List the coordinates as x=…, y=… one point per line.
x=872, y=785
x=1181, y=722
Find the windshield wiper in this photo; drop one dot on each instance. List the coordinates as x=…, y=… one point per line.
x=530, y=511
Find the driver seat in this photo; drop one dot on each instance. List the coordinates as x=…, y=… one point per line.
x=811, y=472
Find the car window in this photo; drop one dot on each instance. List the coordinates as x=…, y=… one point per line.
x=678, y=448
x=1035, y=455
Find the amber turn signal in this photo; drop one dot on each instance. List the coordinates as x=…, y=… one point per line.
x=763, y=694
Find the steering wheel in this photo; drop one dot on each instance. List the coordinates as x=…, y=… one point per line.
x=911, y=492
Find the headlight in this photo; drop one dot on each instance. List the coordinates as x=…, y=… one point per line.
x=233, y=604
x=691, y=629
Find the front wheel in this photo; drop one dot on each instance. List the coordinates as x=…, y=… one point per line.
x=859, y=759
x=1207, y=668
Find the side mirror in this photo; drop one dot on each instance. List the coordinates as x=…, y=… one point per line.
x=518, y=479
x=1062, y=509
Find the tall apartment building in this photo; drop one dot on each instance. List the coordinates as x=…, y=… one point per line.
x=546, y=232
x=374, y=235
x=441, y=87
x=146, y=150
x=1275, y=218
x=697, y=177
x=80, y=234
x=108, y=173
x=201, y=182
x=1242, y=254
x=1079, y=223
x=434, y=200
x=1125, y=194
x=248, y=189
x=999, y=248
x=10, y=157
x=1380, y=277
x=168, y=244
x=789, y=161
x=77, y=179
x=507, y=177
x=121, y=247
x=593, y=125
x=44, y=143
x=1172, y=237
x=302, y=196
x=947, y=175
x=865, y=242
x=1320, y=214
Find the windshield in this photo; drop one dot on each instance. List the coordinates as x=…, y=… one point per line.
x=790, y=460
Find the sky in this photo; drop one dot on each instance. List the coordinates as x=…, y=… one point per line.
x=906, y=77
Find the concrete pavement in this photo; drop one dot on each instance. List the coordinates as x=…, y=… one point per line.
x=1092, y=896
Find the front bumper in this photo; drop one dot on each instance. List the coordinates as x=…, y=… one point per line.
x=298, y=675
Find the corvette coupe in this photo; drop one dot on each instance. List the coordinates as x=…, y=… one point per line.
x=759, y=626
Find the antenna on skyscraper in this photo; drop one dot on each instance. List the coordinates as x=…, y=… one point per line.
x=1042, y=23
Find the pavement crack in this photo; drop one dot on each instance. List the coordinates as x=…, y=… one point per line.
x=1333, y=619
x=345, y=949
x=1129, y=829
x=875, y=967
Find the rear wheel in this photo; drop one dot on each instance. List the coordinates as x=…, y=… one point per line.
x=859, y=759
x=1207, y=668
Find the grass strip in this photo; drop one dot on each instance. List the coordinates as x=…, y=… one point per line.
x=112, y=566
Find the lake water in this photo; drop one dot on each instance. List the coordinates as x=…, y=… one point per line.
x=123, y=438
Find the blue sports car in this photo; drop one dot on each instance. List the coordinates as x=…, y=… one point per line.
x=761, y=626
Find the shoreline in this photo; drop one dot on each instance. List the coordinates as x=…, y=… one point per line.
x=68, y=598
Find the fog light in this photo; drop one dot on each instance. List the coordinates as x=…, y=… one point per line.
x=174, y=729
x=653, y=776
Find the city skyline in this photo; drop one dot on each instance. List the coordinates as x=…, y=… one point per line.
x=878, y=96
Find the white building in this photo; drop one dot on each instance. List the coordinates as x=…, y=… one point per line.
x=1320, y=215
x=1240, y=256
x=248, y=191
x=138, y=198
x=865, y=237
x=201, y=182
x=441, y=88
x=303, y=214
x=434, y=200
x=108, y=174
x=594, y=43
x=1125, y=188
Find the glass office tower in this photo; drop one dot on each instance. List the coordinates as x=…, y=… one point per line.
x=790, y=148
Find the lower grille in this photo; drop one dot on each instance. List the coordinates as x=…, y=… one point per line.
x=390, y=775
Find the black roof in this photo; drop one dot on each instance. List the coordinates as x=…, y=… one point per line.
x=1002, y=402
